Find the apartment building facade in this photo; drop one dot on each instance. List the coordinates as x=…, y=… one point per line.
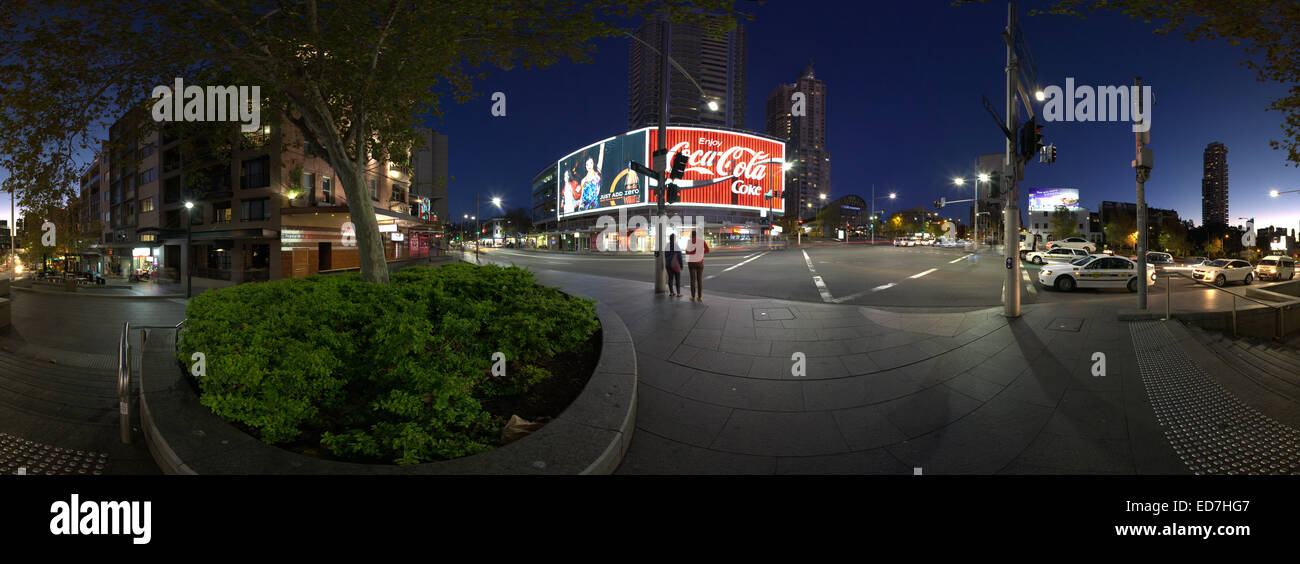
x=266, y=208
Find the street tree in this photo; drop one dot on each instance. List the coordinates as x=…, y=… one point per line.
x=1063, y=224
x=353, y=76
x=1120, y=230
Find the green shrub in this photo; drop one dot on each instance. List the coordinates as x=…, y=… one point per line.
x=380, y=372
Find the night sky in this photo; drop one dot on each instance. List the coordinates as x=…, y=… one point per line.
x=903, y=84
x=903, y=87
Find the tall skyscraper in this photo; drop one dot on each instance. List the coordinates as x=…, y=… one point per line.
x=713, y=57
x=1214, y=185
x=805, y=137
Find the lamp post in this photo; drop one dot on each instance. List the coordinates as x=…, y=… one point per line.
x=873, y=211
x=661, y=284
x=477, y=226
x=981, y=177
x=189, y=248
x=1276, y=193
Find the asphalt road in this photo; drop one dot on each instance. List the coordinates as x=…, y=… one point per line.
x=861, y=274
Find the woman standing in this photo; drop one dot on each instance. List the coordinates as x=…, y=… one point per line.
x=695, y=251
x=591, y=182
x=673, y=263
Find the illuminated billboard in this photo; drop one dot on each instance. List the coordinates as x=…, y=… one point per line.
x=596, y=177
x=1048, y=199
x=725, y=169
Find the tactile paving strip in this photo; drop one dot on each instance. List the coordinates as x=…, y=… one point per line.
x=30, y=457
x=1212, y=430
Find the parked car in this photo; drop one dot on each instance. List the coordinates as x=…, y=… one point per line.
x=1195, y=261
x=1276, y=267
x=1074, y=243
x=1059, y=254
x=1160, y=260
x=1095, y=271
x=1223, y=271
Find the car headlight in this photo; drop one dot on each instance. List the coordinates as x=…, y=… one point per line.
x=1047, y=273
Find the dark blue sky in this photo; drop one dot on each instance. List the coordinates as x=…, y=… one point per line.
x=903, y=106
x=904, y=81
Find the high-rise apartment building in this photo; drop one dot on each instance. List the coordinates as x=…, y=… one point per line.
x=714, y=58
x=1214, y=185
x=810, y=173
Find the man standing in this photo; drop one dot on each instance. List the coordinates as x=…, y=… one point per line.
x=695, y=251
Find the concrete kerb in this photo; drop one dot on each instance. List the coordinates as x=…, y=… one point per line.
x=90, y=294
x=591, y=436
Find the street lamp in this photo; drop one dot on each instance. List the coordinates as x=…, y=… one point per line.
x=189, y=248
x=1275, y=193
x=477, y=198
x=662, y=142
x=873, y=211
x=981, y=177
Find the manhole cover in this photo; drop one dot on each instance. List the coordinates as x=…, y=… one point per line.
x=776, y=313
x=1066, y=324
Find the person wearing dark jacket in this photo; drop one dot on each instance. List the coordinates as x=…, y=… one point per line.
x=673, y=264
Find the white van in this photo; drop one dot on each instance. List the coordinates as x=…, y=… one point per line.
x=1276, y=267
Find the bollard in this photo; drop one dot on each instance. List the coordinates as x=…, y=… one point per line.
x=1169, y=296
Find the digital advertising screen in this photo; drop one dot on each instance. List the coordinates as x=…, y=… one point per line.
x=596, y=177
x=1048, y=199
x=727, y=168
x=724, y=169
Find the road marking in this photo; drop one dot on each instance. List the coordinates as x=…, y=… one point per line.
x=918, y=275
x=1032, y=289
x=821, y=289
x=960, y=258
x=821, y=285
x=884, y=287
x=737, y=265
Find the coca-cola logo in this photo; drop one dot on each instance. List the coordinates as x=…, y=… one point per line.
x=747, y=165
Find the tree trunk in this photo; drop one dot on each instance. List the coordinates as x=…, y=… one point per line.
x=370, y=247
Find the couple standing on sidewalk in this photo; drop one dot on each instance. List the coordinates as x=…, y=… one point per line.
x=696, y=248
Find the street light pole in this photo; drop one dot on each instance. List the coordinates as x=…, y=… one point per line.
x=189, y=249
x=1011, y=212
x=661, y=284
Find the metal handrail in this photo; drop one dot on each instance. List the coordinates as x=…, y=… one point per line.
x=1169, y=290
x=124, y=372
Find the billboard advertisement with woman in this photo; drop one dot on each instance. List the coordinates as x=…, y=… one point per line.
x=597, y=176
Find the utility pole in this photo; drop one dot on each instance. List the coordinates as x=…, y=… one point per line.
x=1011, y=213
x=1142, y=165
x=661, y=284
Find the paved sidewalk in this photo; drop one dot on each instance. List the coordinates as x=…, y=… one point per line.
x=884, y=391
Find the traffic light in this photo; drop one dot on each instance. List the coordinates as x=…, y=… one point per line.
x=1051, y=154
x=674, y=194
x=1031, y=138
x=679, y=166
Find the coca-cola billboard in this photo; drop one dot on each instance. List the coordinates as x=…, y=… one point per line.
x=724, y=169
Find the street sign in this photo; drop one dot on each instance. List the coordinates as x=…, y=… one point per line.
x=997, y=119
x=640, y=168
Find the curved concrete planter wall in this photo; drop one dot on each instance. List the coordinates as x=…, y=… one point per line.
x=589, y=437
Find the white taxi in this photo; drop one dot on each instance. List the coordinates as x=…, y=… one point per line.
x=1058, y=254
x=1094, y=271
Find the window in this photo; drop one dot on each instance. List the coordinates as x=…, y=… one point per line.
x=147, y=237
x=308, y=181
x=148, y=176
x=256, y=210
x=171, y=159
x=326, y=189
x=147, y=150
x=255, y=173
x=173, y=219
x=218, y=258
x=146, y=205
x=172, y=190
x=196, y=215
x=374, y=189
x=221, y=212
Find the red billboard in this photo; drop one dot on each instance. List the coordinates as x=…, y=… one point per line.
x=726, y=168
